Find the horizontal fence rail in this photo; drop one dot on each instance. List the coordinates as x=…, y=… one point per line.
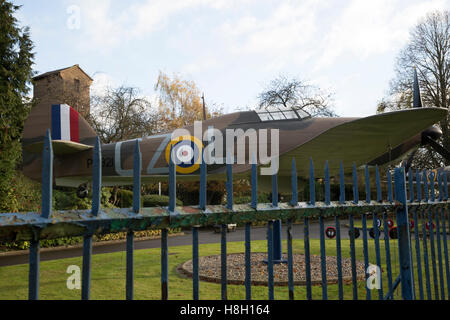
x=416, y=200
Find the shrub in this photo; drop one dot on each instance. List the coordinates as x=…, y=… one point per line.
x=67, y=199
x=125, y=198
x=24, y=245
x=137, y=234
x=26, y=193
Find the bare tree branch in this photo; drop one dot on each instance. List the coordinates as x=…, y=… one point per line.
x=429, y=51
x=293, y=93
x=120, y=114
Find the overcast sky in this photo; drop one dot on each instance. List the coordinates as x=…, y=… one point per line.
x=230, y=48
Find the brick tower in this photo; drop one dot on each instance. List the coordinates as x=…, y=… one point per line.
x=69, y=85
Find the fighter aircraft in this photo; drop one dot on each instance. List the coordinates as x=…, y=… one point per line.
x=374, y=140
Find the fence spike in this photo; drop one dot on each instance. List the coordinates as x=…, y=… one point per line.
x=445, y=186
x=294, y=184
x=441, y=196
x=137, y=169
x=229, y=182
x=254, y=203
x=274, y=190
x=389, y=185
x=277, y=253
x=47, y=176
x=312, y=186
x=341, y=184
x=172, y=183
x=404, y=245
x=355, y=185
x=203, y=181
x=411, y=185
x=327, y=184
x=367, y=181
x=425, y=185
x=378, y=183
x=432, y=177
x=96, y=177
x=419, y=186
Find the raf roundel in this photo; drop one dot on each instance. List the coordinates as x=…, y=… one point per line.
x=187, y=152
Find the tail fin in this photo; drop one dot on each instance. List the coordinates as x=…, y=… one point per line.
x=70, y=132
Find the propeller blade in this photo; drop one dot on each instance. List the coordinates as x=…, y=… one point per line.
x=417, y=102
x=409, y=160
x=438, y=148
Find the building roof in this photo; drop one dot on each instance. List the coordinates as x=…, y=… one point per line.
x=44, y=75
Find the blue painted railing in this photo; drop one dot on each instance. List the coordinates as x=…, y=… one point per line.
x=432, y=255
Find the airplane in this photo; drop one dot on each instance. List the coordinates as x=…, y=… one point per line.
x=374, y=140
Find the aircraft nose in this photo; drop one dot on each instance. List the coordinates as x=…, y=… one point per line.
x=434, y=133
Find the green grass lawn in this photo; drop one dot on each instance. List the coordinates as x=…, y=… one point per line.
x=108, y=275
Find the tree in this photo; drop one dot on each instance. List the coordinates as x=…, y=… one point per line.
x=294, y=93
x=121, y=114
x=180, y=102
x=16, y=60
x=428, y=50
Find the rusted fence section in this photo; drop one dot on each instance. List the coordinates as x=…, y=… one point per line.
x=417, y=202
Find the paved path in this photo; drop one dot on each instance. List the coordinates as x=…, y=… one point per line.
x=205, y=236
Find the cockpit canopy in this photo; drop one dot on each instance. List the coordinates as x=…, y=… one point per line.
x=273, y=113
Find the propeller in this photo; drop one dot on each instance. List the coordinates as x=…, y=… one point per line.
x=429, y=136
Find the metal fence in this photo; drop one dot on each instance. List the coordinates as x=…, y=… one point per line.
x=418, y=203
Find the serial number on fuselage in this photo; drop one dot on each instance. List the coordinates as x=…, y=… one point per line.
x=107, y=162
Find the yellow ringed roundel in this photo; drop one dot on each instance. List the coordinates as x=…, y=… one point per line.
x=187, y=152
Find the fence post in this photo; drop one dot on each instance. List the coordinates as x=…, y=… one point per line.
x=172, y=184
x=405, y=255
x=47, y=177
x=46, y=206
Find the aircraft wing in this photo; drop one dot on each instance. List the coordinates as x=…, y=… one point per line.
x=60, y=147
x=360, y=140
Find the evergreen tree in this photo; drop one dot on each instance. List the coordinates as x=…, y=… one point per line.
x=16, y=60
